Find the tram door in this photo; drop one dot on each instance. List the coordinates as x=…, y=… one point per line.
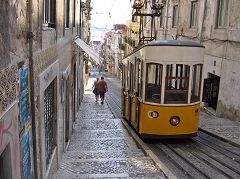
x=134, y=93
x=137, y=93
x=126, y=93
x=131, y=92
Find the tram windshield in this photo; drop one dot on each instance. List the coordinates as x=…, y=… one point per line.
x=176, y=83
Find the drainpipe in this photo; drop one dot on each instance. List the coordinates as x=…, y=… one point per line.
x=31, y=75
x=202, y=21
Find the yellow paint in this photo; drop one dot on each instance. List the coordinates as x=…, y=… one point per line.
x=133, y=112
x=161, y=125
x=127, y=100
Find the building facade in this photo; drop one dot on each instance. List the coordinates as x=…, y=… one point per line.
x=37, y=51
x=132, y=35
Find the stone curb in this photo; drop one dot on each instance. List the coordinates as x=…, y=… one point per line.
x=219, y=137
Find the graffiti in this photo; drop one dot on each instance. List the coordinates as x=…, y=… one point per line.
x=26, y=156
x=24, y=121
x=8, y=87
x=24, y=97
x=4, y=131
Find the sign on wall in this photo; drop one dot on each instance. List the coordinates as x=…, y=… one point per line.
x=26, y=156
x=23, y=97
x=24, y=122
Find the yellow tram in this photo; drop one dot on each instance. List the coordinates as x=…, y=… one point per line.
x=161, y=88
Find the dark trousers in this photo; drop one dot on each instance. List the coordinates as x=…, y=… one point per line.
x=102, y=95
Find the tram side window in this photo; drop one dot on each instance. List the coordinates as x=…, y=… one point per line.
x=153, y=83
x=140, y=74
x=132, y=78
x=127, y=76
x=124, y=78
x=196, y=83
x=176, y=87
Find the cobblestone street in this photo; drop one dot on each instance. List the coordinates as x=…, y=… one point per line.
x=102, y=148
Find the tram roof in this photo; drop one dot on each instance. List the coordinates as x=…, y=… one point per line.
x=178, y=43
x=185, y=43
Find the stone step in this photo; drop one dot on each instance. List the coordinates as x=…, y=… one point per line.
x=109, y=144
x=107, y=154
x=91, y=134
x=132, y=166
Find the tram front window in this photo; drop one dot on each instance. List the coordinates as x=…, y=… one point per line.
x=153, y=83
x=176, y=83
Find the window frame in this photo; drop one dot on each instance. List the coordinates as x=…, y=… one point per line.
x=74, y=13
x=67, y=13
x=49, y=13
x=175, y=16
x=161, y=24
x=221, y=15
x=194, y=14
x=184, y=75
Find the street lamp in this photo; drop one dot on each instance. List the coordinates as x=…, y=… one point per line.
x=137, y=6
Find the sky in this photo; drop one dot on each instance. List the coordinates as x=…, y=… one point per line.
x=105, y=13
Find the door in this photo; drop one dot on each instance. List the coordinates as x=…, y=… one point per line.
x=139, y=93
x=131, y=94
x=134, y=109
x=211, y=90
x=126, y=93
x=74, y=92
x=67, y=112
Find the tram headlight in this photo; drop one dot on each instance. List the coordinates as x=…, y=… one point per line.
x=174, y=121
x=153, y=114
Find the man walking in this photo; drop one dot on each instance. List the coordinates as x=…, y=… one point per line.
x=102, y=88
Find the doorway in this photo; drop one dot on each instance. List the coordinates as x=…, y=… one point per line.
x=67, y=111
x=5, y=163
x=211, y=90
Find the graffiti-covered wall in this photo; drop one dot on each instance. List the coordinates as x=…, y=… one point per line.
x=15, y=125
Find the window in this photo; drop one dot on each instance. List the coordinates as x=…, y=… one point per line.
x=67, y=14
x=194, y=14
x=5, y=35
x=176, y=83
x=49, y=15
x=175, y=16
x=132, y=78
x=196, y=83
x=222, y=13
x=153, y=83
x=162, y=18
x=74, y=13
